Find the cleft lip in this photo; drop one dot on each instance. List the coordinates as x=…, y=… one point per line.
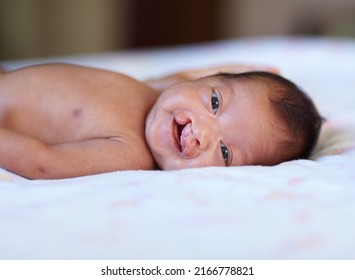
x=177, y=131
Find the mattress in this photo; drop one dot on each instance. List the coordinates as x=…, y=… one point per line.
x=300, y=209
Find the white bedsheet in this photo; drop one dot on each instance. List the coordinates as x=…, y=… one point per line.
x=302, y=209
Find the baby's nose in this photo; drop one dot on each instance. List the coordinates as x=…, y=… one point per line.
x=206, y=131
x=196, y=138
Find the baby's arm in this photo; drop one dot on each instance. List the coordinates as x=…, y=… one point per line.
x=33, y=159
x=164, y=82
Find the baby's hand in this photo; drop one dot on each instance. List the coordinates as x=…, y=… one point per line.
x=230, y=68
x=163, y=83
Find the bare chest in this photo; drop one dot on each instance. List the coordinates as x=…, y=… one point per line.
x=75, y=110
x=59, y=122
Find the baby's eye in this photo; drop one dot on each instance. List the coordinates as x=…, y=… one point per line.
x=225, y=153
x=215, y=102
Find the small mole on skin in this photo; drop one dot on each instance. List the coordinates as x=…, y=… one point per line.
x=77, y=113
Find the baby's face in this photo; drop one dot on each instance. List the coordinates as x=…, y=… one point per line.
x=211, y=122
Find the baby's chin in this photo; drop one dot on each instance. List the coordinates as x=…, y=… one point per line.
x=166, y=165
x=179, y=163
x=170, y=163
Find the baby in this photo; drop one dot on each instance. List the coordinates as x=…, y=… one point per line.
x=62, y=120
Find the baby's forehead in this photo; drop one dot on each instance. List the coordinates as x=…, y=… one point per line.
x=254, y=86
x=231, y=80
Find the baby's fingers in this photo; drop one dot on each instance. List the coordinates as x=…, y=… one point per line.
x=240, y=68
x=228, y=68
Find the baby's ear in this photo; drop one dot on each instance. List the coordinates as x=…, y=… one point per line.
x=2, y=70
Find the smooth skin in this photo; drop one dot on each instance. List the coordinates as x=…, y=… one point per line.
x=211, y=122
x=62, y=121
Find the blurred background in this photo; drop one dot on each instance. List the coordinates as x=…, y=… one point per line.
x=40, y=28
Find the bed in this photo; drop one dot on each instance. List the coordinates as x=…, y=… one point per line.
x=302, y=209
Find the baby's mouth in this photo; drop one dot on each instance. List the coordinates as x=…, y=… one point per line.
x=177, y=134
x=178, y=130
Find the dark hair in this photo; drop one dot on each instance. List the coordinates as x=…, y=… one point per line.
x=295, y=110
